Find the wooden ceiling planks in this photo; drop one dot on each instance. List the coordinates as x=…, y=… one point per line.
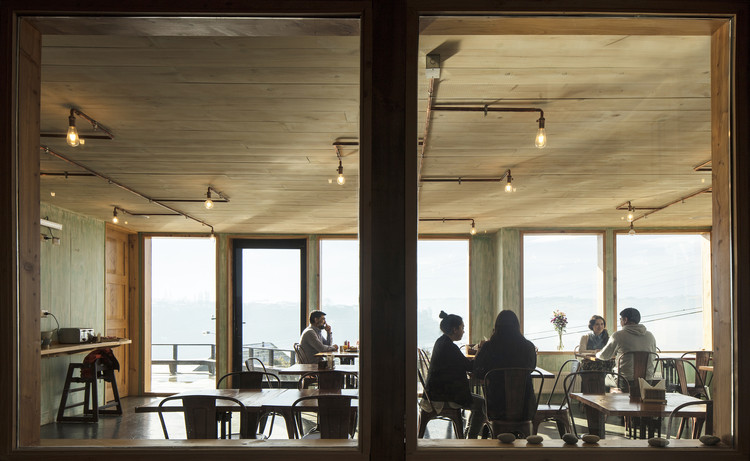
x=253, y=108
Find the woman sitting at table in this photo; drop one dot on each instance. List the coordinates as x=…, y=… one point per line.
x=597, y=339
x=446, y=378
x=507, y=348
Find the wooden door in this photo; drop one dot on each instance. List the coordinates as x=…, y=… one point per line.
x=116, y=298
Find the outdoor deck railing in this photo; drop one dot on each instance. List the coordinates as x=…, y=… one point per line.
x=173, y=362
x=271, y=356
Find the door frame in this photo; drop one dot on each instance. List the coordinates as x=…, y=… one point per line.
x=236, y=280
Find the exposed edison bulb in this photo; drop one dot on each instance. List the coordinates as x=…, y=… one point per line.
x=52, y=194
x=630, y=217
x=340, y=179
x=541, y=138
x=72, y=138
x=631, y=231
x=208, y=203
x=473, y=230
x=508, y=187
x=114, y=219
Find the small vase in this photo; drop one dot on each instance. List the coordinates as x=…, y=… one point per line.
x=560, y=346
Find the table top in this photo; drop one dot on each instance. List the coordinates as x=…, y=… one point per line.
x=301, y=368
x=68, y=349
x=619, y=404
x=339, y=354
x=253, y=399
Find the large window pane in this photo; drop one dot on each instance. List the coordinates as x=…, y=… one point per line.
x=442, y=284
x=183, y=306
x=560, y=273
x=666, y=278
x=339, y=287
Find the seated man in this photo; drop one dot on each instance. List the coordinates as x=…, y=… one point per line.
x=632, y=337
x=312, y=340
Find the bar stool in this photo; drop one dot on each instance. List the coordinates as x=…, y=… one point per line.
x=88, y=376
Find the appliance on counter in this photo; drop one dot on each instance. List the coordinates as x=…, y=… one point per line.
x=75, y=335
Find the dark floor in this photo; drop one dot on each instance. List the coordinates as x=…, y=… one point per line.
x=142, y=426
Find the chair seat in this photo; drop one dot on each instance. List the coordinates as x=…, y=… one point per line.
x=557, y=413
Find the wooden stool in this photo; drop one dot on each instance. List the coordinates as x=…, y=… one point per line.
x=91, y=408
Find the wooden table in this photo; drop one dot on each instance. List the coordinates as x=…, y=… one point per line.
x=620, y=404
x=256, y=402
x=302, y=368
x=69, y=349
x=347, y=358
x=706, y=368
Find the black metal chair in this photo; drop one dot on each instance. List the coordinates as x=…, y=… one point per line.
x=437, y=410
x=201, y=415
x=248, y=380
x=300, y=353
x=592, y=382
x=558, y=413
x=507, y=400
x=709, y=419
x=337, y=418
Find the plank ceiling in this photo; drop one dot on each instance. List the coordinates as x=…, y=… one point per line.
x=252, y=107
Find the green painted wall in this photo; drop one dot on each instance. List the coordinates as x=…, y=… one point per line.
x=72, y=288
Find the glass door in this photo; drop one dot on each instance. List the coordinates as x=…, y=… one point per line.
x=269, y=300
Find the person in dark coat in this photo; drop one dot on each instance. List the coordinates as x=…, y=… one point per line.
x=447, y=382
x=507, y=348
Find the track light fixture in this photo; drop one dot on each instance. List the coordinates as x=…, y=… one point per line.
x=114, y=216
x=631, y=231
x=631, y=213
x=72, y=137
x=540, y=140
x=473, y=230
x=509, y=184
x=340, y=179
x=208, y=203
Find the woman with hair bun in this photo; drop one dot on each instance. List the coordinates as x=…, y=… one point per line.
x=447, y=381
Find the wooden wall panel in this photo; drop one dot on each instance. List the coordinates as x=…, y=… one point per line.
x=721, y=238
x=117, y=303
x=29, y=340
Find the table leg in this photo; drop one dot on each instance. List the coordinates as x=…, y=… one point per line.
x=595, y=420
x=249, y=424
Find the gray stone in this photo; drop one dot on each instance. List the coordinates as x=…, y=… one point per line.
x=590, y=438
x=709, y=439
x=658, y=442
x=506, y=437
x=534, y=439
x=570, y=439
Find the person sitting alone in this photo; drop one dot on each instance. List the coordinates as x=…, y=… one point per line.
x=447, y=382
x=312, y=341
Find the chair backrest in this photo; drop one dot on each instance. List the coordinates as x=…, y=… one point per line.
x=301, y=356
x=328, y=380
x=643, y=363
x=336, y=415
x=679, y=366
x=702, y=358
x=200, y=415
x=509, y=394
x=249, y=380
x=709, y=414
x=573, y=369
x=423, y=363
x=251, y=367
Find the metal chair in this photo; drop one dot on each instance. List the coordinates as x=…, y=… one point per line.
x=682, y=386
x=554, y=412
x=429, y=410
x=592, y=382
x=642, y=361
x=300, y=353
x=507, y=400
x=248, y=380
x=337, y=418
x=702, y=358
x=696, y=429
x=201, y=415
